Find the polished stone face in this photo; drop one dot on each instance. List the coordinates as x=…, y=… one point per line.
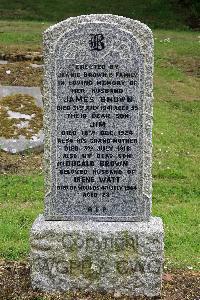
x=98, y=93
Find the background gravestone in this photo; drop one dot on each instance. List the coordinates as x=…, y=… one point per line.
x=98, y=126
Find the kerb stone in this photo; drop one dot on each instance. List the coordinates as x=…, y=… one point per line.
x=97, y=256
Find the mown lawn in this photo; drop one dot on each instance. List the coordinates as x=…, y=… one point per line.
x=175, y=153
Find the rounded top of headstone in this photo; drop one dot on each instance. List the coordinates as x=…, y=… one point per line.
x=109, y=18
x=137, y=28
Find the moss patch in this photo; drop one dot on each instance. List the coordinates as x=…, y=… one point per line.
x=21, y=73
x=11, y=127
x=26, y=163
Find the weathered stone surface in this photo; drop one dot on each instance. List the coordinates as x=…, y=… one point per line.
x=3, y=62
x=36, y=66
x=33, y=56
x=22, y=143
x=98, y=119
x=6, y=90
x=124, y=257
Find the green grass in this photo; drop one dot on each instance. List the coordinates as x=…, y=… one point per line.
x=156, y=13
x=18, y=36
x=21, y=200
x=176, y=191
x=175, y=154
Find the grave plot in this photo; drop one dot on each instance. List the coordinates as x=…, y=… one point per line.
x=21, y=119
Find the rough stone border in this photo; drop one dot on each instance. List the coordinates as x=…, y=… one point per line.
x=16, y=57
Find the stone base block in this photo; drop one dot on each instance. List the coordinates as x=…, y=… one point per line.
x=123, y=257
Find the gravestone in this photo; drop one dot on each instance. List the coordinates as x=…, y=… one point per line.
x=97, y=232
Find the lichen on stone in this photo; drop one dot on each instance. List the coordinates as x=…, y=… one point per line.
x=20, y=116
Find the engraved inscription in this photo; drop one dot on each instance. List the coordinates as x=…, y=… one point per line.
x=89, y=268
x=118, y=252
x=96, y=42
x=122, y=243
x=97, y=148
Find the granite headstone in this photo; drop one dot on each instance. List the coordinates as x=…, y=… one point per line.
x=97, y=232
x=99, y=115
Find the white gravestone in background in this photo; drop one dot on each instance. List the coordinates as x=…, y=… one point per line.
x=97, y=231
